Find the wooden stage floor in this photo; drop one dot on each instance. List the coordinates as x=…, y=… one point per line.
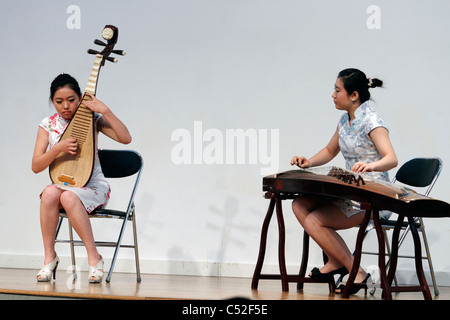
x=123, y=286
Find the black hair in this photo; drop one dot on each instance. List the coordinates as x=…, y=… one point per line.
x=63, y=80
x=356, y=80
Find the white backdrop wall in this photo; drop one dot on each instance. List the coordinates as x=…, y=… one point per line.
x=196, y=72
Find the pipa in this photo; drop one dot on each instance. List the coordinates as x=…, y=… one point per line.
x=76, y=170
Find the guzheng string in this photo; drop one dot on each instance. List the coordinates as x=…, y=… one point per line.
x=401, y=192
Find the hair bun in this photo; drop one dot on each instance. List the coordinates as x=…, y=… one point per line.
x=374, y=82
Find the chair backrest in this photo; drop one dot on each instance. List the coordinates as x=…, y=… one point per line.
x=420, y=172
x=119, y=163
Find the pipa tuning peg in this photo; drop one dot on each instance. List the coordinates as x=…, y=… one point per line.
x=99, y=42
x=91, y=51
x=121, y=52
x=111, y=59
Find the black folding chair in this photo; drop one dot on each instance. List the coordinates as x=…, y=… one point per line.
x=115, y=164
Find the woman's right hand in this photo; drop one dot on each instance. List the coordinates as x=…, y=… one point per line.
x=68, y=145
x=302, y=162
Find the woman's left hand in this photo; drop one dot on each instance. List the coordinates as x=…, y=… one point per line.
x=361, y=167
x=95, y=104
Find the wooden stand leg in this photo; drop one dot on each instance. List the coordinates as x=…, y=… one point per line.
x=418, y=258
x=358, y=249
x=305, y=255
x=281, y=244
x=394, y=249
x=381, y=256
x=262, y=246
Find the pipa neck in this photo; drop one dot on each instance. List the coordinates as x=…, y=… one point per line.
x=93, y=78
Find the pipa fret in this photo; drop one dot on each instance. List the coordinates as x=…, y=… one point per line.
x=93, y=78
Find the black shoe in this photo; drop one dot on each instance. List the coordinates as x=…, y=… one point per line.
x=327, y=277
x=354, y=289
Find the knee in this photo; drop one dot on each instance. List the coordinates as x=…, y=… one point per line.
x=68, y=199
x=300, y=207
x=312, y=224
x=50, y=196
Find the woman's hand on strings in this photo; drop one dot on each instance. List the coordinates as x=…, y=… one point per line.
x=301, y=162
x=361, y=167
x=68, y=145
x=95, y=104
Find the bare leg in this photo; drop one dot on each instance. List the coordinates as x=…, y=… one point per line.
x=80, y=221
x=302, y=207
x=321, y=223
x=49, y=216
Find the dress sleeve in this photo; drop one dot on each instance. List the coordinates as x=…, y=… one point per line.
x=374, y=121
x=97, y=117
x=45, y=124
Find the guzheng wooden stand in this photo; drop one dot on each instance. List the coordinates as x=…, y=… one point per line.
x=373, y=196
x=300, y=278
x=371, y=212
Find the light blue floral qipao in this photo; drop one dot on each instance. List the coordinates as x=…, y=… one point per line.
x=356, y=145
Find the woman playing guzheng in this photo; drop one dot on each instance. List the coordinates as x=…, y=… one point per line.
x=363, y=140
x=65, y=95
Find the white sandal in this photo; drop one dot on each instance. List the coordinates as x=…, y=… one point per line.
x=96, y=272
x=45, y=274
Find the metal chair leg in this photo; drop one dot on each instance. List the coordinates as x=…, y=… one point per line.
x=136, y=251
x=58, y=227
x=72, y=247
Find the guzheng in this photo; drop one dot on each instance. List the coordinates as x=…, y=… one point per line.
x=336, y=182
x=76, y=170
